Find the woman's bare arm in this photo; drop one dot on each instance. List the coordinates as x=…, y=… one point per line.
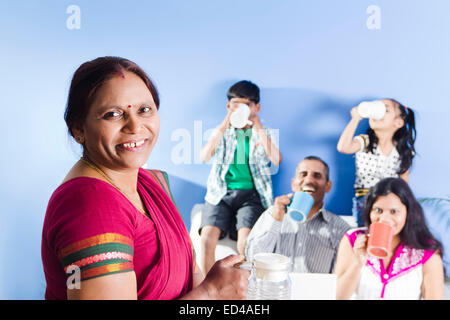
x=433, y=278
x=117, y=286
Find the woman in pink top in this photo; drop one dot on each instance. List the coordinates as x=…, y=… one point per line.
x=111, y=230
x=412, y=270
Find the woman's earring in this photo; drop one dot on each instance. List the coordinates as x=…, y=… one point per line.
x=80, y=139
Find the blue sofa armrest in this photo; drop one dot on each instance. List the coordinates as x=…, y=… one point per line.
x=437, y=215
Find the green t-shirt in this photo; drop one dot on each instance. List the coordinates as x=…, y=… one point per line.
x=239, y=175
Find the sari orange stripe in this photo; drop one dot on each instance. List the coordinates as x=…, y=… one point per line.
x=103, y=270
x=95, y=240
x=159, y=178
x=163, y=182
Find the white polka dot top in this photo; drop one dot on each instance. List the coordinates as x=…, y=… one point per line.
x=372, y=167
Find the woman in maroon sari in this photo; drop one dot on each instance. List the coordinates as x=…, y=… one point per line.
x=111, y=230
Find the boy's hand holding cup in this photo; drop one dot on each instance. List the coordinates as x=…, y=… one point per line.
x=230, y=108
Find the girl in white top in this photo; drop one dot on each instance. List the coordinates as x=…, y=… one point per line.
x=385, y=151
x=412, y=270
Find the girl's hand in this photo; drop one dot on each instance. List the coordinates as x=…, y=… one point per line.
x=360, y=248
x=355, y=114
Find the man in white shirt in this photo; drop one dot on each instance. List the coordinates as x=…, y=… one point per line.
x=312, y=245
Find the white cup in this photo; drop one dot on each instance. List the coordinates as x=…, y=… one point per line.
x=372, y=109
x=239, y=118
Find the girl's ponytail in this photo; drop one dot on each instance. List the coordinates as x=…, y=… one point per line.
x=405, y=137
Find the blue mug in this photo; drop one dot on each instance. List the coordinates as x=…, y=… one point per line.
x=300, y=206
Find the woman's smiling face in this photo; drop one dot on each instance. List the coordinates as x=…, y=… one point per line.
x=122, y=125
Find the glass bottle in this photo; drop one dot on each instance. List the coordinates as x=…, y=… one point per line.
x=269, y=278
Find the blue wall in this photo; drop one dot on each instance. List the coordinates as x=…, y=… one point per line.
x=313, y=61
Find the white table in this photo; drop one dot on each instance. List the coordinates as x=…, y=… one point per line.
x=313, y=286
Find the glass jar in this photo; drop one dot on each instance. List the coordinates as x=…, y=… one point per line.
x=269, y=278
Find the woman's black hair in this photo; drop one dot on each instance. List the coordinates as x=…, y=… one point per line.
x=415, y=233
x=403, y=138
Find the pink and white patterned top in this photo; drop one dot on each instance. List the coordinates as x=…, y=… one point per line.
x=401, y=281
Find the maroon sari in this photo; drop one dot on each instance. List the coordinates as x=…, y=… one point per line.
x=91, y=225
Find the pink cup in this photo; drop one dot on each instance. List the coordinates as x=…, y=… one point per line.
x=380, y=239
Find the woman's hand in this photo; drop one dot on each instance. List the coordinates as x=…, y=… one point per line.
x=349, y=263
x=360, y=248
x=225, y=281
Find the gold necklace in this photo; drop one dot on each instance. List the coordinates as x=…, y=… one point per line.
x=92, y=165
